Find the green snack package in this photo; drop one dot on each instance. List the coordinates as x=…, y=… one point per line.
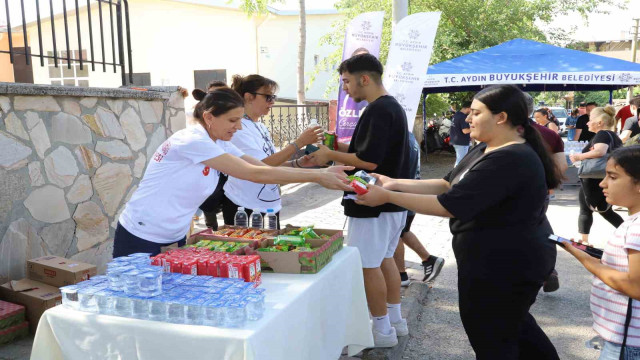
x=357, y=178
x=267, y=249
x=296, y=240
x=308, y=233
x=202, y=243
x=302, y=249
x=325, y=237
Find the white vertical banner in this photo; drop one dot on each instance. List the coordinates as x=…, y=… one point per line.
x=408, y=60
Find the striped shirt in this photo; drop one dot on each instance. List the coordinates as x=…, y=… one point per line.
x=608, y=306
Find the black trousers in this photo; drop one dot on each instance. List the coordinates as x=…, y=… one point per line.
x=229, y=209
x=213, y=205
x=591, y=196
x=497, y=321
x=125, y=243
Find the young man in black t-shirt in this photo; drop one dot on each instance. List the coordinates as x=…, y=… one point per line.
x=582, y=130
x=631, y=128
x=380, y=144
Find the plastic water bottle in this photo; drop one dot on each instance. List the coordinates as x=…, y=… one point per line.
x=105, y=301
x=214, y=313
x=123, y=306
x=195, y=311
x=70, y=297
x=255, y=306
x=241, y=218
x=175, y=311
x=158, y=308
x=140, y=307
x=256, y=219
x=271, y=220
x=313, y=122
x=236, y=313
x=87, y=300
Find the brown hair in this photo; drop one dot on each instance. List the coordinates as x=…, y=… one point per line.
x=251, y=83
x=607, y=113
x=218, y=102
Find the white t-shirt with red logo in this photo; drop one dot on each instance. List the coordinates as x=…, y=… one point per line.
x=174, y=185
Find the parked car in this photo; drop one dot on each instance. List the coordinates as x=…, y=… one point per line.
x=562, y=115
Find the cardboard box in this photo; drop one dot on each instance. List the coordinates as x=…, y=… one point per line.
x=208, y=234
x=58, y=271
x=301, y=262
x=35, y=296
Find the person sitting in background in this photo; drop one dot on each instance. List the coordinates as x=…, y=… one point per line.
x=590, y=197
x=616, y=285
x=570, y=125
x=544, y=117
x=630, y=127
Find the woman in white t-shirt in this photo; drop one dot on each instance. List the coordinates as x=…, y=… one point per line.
x=617, y=274
x=183, y=172
x=254, y=139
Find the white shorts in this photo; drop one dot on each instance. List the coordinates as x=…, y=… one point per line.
x=376, y=238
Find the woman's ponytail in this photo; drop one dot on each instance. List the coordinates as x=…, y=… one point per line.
x=534, y=139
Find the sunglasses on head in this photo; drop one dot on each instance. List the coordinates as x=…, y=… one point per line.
x=268, y=97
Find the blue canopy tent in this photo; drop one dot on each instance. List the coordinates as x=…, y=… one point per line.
x=532, y=66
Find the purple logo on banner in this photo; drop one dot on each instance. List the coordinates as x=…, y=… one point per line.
x=362, y=37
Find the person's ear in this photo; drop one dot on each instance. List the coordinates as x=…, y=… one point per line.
x=248, y=97
x=365, y=79
x=501, y=118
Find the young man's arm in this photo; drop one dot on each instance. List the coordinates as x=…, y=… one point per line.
x=324, y=155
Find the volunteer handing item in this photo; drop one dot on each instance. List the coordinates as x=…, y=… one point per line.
x=594, y=252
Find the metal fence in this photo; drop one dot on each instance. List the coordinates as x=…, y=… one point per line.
x=67, y=53
x=286, y=122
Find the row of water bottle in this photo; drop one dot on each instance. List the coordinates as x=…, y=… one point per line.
x=184, y=299
x=270, y=221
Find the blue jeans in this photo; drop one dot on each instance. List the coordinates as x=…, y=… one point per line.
x=611, y=351
x=461, y=151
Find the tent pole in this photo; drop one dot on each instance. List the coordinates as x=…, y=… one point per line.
x=610, y=97
x=424, y=124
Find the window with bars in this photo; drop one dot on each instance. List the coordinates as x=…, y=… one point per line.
x=63, y=75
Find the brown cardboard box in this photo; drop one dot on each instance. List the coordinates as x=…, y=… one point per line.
x=301, y=262
x=58, y=271
x=35, y=296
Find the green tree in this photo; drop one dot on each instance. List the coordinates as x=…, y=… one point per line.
x=465, y=26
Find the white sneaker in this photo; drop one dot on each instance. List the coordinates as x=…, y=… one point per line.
x=381, y=340
x=405, y=283
x=401, y=327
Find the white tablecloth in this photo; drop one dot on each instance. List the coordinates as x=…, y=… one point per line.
x=307, y=317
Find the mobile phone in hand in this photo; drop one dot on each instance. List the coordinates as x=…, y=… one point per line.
x=590, y=250
x=310, y=149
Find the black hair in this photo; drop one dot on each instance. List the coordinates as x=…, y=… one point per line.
x=216, y=84
x=363, y=63
x=628, y=158
x=636, y=102
x=574, y=112
x=466, y=104
x=511, y=100
x=251, y=83
x=592, y=103
x=360, y=50
x=218, y=102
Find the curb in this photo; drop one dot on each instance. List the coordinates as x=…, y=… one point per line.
x=411, y=306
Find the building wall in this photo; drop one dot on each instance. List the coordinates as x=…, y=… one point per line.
x=170, y=40
x=6, y=68
x=71, y=159
x=278, y=52
x=622, y=55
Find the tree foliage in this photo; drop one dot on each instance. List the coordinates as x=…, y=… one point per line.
x=252, y=7
x=465, y=26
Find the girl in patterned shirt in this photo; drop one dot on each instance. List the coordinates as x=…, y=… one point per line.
x=617, y=275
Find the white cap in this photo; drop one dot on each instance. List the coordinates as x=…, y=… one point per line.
x=240, y=208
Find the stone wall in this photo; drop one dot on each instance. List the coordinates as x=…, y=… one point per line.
x=70, y=158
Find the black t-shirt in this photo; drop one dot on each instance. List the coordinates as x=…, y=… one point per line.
x=604, y=137
x=381, y=137
x=459, y=123
x=632, y=124
x=581, y=123
x=499, y=226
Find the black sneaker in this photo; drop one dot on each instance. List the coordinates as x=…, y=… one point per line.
x=432, y=267
x=552, y=283
x=404, y=279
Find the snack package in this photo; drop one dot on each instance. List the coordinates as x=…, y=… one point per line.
x=308, y=233
x=289, y=240
x=358, y=187
x=366, y=177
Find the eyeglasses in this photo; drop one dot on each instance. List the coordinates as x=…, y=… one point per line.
x=268, y=97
